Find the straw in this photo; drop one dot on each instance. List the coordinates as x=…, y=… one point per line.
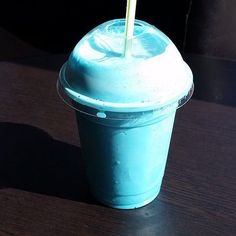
x=129, y=25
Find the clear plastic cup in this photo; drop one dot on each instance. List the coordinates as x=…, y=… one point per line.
x=125, y=108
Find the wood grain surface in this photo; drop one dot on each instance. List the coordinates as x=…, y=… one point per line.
x=43, y=189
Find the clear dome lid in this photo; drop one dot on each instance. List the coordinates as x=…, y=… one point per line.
x=98, y=77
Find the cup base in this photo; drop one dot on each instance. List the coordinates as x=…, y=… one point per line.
x=130, y=202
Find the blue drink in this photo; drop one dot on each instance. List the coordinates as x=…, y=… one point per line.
x=125, y=108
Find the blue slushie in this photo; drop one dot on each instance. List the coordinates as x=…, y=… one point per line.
x=125, y=108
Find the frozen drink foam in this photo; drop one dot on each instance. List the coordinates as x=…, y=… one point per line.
x=125, y=108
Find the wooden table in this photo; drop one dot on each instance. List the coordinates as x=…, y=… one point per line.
x=43, y=190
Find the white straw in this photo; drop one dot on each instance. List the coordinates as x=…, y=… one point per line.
x=129, y=25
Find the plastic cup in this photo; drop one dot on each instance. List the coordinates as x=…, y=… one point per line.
x=125, y=108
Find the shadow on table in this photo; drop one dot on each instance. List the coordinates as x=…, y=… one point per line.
x=32, y=160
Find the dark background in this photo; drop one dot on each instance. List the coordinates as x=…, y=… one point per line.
x=57, y=27
x=203, y=27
